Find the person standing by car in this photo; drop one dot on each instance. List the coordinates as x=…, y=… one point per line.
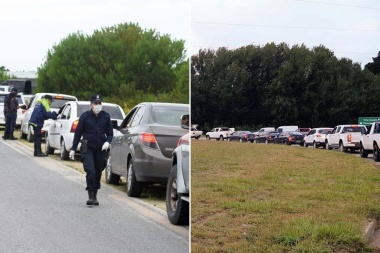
x=96, y=128
x=40, y=113
x=10, y=112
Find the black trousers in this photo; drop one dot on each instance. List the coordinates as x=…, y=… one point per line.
x=93, y=164
x=10, y=123
x=37, y=140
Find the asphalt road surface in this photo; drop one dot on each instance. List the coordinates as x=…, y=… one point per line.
x=42, y=209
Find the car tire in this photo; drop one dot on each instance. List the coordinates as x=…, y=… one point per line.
x=49, y=150
x=30, y=136
x=176, y=208
x=240, y=140
x=305, y=144
x=341, y=147
x=110, y=177
x=266, y=142
x=64, y=154
x=229, y=139
x=221, y=138
x=376, y=153
x=134, y=188
x=22, y=135
x=207, y=137
x=315, y=145
x=197, y=137
x=327, y=145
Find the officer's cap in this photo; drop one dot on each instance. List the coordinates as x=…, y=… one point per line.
x=49, y=97
x=96, y=98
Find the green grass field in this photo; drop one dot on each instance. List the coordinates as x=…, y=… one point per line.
x=274, y=198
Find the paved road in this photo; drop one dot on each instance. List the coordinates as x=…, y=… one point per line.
x=43, y=210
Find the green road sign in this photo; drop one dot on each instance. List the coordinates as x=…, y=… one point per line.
x=368, y=120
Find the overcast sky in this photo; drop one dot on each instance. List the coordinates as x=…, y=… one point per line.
x=29, y=28
x=350, y=28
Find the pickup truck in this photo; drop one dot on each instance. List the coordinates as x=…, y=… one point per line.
x=369, y=142
x=219, y=133
x=195, y=133
x=345, y=137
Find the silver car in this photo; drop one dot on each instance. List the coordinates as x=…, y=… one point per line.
x=141, y=149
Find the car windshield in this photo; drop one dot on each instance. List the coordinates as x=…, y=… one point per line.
x=168, y=115
x=324, y=131
x=353, y=130
x=113, y=111
x=59, y=102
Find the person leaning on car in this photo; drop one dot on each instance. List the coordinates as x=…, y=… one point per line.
x=40, y=113
x=10, y=112
x=96, y=127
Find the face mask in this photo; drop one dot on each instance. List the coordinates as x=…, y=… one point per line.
x=97, y=109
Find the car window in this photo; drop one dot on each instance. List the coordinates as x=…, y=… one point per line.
x=127, y=120
x=82, y=109
x=138, y=116
x=168, y=115
x=59, y=102
x=113, y=111
x=66, y=112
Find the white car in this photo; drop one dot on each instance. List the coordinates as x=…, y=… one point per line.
x=177, y=189
x=60, y=133
x=59, y=100
x=316, y=137
x=21, y=99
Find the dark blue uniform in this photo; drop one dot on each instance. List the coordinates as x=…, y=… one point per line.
x=96, y=129
x=10, y=113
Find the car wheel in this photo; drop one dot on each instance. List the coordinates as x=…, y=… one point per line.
x=376, y=154
x=315, y=145
x=229, y=139
x=49, y=150
x=134, y=188
x=22, y=135
x=341, y=147
x=197, y=137
x=254, y=141
x=110, y=177
x=305, y=144
x=221, y=138
x=64, y=154
x=240, y=140
x=176, y=208
x=327, y=145
x=30, y=136
x=266, y=142
x=208, y=137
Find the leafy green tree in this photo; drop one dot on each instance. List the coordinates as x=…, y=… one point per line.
x=119, y=62
x=374, y=66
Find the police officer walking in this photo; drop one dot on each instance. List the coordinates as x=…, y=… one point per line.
x=40, y=113
x=96, y=128
x=10, y=112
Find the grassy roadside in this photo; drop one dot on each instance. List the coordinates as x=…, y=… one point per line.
x=152, y=194
x=273, y=198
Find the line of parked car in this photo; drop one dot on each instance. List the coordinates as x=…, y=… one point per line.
x=150, y=145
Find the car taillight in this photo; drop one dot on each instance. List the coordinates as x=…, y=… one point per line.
x=319, y=136
x=23, y=111
x=182, y=141
x=349, y=138
x=74, y=126
x=290, y=138
x=148, y=139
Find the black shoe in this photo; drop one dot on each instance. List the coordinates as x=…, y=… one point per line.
x=5, y=138
x=13, y=138
x=96, y=202
x=42, y=155
x=90, y=201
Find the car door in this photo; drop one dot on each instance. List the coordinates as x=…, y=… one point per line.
x=27, y=115
x=334, y=138
x=309, y=137
x=56, y=128
x=118, y=151
x=67, y=119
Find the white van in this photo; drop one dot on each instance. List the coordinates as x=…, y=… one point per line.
x=264, y=129
x=281, y=129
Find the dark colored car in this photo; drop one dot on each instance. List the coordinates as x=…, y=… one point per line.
x=289, y=138
x=267, y=137
x=241, y=136
x=142, y=147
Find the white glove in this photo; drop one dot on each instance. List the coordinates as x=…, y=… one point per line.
x=106, y=145
x=71, y=155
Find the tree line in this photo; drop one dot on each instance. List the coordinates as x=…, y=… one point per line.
x=275, y=84
x=124, y=63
